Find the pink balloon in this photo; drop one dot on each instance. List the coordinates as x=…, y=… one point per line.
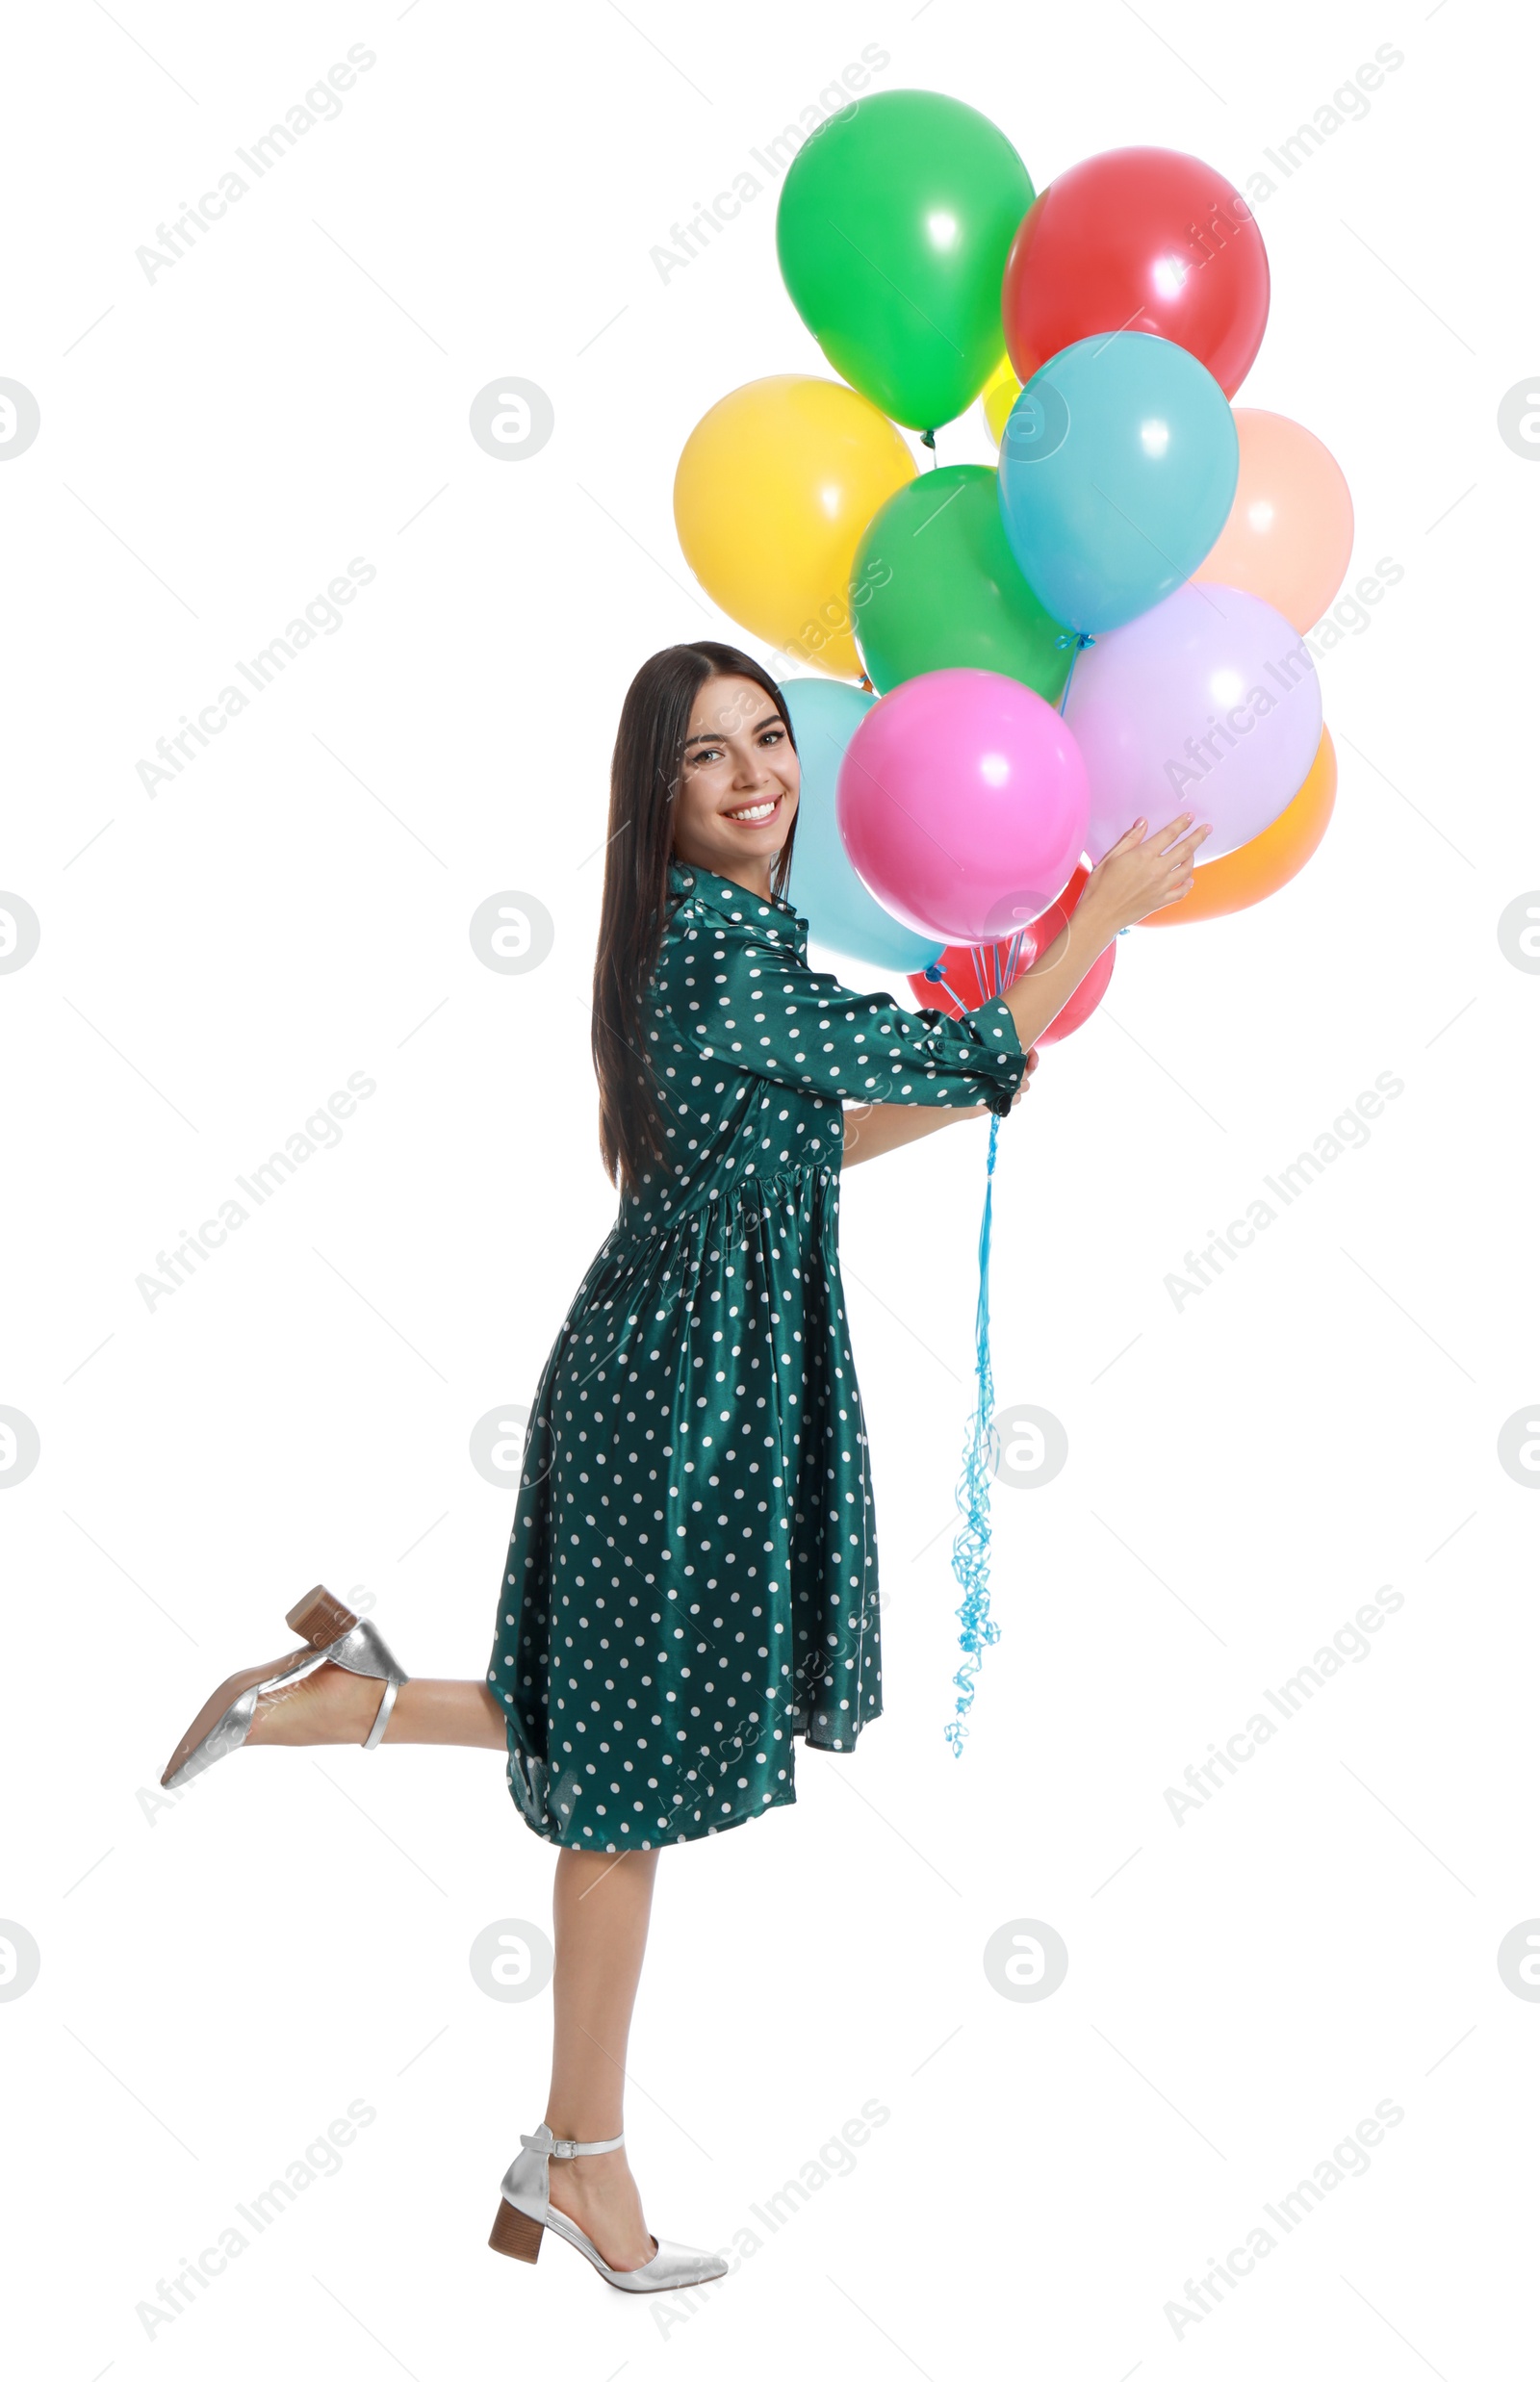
x=962, y=803
x=1208, y=702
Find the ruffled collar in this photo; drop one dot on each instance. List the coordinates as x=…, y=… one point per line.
x=762, y=912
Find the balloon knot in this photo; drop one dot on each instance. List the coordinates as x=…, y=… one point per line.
x=928, y=438
x=936, y=974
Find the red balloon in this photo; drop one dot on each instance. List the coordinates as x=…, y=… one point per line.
x=1083, y=1000
x=974, y=974
x=1138, y=240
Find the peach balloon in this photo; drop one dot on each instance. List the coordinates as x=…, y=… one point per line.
x=1248, y=874
x=1290, y=533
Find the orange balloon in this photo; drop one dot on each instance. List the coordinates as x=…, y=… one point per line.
x=1252, y=871
x=1290, y=533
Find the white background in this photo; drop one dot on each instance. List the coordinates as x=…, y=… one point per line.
x=221, y=1976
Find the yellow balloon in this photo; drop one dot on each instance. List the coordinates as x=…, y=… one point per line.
x=773, y=491
x=997, y=395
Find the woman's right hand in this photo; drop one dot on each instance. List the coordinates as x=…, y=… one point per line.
x=1140, y=873
x=1144, y=872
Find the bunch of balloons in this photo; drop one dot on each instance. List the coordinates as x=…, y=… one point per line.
x=1019, y=661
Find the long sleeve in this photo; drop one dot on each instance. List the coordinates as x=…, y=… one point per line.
x=761, y=1007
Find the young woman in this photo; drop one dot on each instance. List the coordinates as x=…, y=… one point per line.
x=691, y=1581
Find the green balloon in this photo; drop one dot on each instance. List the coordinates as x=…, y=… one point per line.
x=893, y=228
x=937, y=587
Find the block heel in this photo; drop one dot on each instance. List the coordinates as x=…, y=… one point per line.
x=516, y=2235
x=320, y=1617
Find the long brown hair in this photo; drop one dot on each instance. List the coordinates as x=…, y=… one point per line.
x=644, y=781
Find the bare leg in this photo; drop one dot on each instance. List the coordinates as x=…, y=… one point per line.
x=601, y=1906
x=334, y=1707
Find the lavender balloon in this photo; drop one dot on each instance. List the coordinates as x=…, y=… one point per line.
x=1208, y=702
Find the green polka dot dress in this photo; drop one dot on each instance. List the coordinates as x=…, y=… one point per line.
x=691, y=1580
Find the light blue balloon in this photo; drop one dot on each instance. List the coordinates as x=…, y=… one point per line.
x=1117, y=471
x=840, y=914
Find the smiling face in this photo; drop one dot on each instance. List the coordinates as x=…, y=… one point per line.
x=738, y=786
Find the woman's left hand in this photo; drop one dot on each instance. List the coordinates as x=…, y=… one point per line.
x=1032, y=1069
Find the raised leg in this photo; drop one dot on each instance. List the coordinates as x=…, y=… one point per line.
x=334, y=1707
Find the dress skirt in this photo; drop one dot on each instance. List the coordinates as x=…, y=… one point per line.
x=691, y=1580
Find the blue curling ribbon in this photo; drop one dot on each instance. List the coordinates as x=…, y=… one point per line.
x=1079, y=640
x=970, y=1549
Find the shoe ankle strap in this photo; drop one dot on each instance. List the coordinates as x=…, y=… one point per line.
x=554, y=2147
x=387, y=1705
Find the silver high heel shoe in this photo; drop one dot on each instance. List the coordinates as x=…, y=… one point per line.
x=524, y=2216
x=334, y=1634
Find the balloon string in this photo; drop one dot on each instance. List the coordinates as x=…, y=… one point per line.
x=928, y=438
x=970, y=1549
x=1081, y=639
